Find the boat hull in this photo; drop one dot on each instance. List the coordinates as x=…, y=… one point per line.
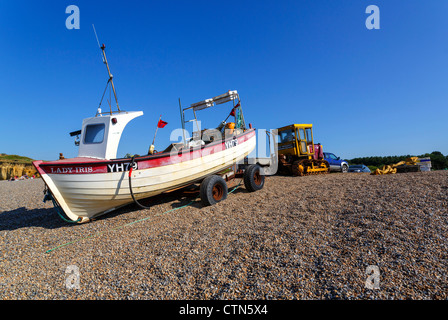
x=86, y=188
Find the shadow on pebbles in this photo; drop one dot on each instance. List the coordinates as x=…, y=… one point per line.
x=338, y=236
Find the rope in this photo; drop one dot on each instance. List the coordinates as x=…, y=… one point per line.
x=56, y=206
x=130, y=223
x=237, y=186
x=130, y=185
x=119, y=227
x=48, y=195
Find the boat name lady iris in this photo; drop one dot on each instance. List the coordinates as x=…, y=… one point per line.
x=71, y=170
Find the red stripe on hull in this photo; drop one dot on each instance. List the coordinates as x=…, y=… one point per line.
x=92, y=166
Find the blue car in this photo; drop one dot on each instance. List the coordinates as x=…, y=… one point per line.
x=336, y=163
x=358, y=168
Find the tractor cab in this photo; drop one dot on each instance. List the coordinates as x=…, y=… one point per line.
x=296, y=139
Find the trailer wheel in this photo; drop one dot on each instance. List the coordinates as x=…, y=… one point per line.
x=213, y=190
x=253, y=179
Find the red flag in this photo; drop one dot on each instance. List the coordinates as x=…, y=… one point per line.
x=232, y=113
x=161, y=123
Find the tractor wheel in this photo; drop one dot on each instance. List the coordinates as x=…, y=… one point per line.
x=253, y=178
x=298, y=168
x=213, y=190
x=344, y=168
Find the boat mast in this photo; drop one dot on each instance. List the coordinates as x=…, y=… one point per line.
x=103, y=47
x=111, y=81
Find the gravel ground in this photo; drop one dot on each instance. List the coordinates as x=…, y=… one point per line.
x=299, y=238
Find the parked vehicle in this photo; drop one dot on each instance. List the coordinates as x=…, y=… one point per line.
x=358, y=168
x=336, y=164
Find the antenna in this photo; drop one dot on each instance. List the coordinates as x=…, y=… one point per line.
x=97, y=40
x=103, y=47
x=183, y=122
x=96, y=35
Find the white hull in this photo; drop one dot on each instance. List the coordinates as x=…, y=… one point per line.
x=89, y=195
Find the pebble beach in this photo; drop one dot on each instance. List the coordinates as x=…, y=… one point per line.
x=336, y=236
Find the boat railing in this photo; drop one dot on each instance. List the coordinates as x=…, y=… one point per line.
x=109, y=113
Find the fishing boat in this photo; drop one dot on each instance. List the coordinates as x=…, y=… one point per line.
x=97, y=182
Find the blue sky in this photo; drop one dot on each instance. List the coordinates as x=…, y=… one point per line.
x=366, y=92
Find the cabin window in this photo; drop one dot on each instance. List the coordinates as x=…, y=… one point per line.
x=301, y=134
x=308, y=135
x=286, y=136
x=94, y=133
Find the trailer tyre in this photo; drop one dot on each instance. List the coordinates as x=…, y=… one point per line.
x=213, y=190
x=253, y=178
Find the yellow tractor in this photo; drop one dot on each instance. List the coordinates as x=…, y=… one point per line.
x=297, y=153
